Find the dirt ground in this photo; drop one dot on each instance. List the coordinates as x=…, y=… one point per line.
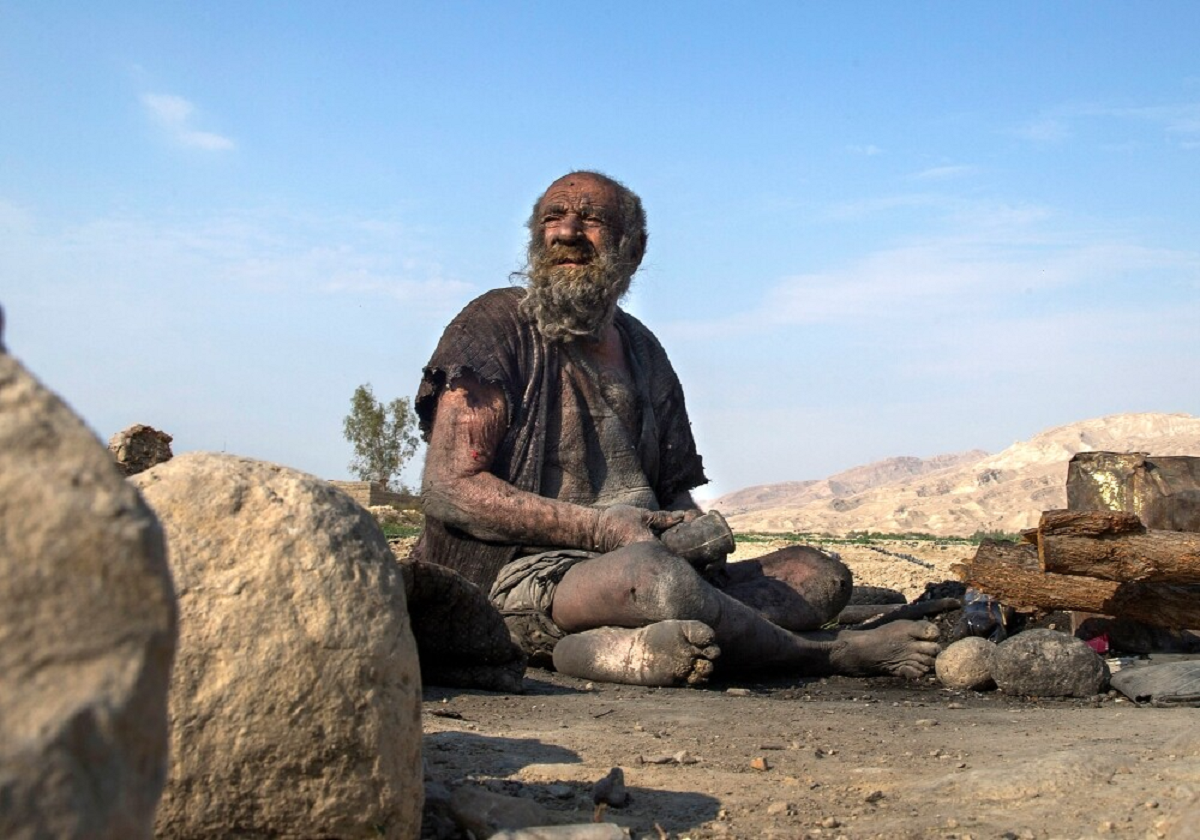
x=843, y=758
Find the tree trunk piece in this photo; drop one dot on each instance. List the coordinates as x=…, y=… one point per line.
x=1114, y=545
x=1013, y=574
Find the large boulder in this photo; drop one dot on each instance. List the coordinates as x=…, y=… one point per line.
x=87, y=629
x=1047, y=663
x=295, y=700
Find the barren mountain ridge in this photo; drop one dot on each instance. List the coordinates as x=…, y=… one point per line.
x=954, y=494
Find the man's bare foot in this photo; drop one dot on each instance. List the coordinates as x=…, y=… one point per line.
x=901, y=649
x=665, y=653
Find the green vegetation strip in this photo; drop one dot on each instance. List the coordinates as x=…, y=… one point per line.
x=865, y=537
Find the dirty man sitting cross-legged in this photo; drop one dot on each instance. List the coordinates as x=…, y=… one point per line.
x=559, y=451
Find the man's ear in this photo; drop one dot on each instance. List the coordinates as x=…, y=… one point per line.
x=637, y=247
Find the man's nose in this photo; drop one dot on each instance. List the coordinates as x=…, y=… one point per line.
x=567, y=229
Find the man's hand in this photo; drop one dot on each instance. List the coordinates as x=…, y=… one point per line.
x=622, y=525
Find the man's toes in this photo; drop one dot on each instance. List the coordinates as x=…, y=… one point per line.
x=701, y=671
x=924, y=630
x=698, y=633
x=927, y=650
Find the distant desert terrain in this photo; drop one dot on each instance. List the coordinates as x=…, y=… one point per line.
x=955, y=494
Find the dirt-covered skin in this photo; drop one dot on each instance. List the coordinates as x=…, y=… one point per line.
x=664, y=653
x=847, y=757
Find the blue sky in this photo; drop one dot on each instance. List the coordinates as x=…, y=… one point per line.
x=876, y=229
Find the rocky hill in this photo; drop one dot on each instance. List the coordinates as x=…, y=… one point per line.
x=957, y=494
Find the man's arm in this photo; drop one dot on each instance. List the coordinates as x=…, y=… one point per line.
x=460, y=489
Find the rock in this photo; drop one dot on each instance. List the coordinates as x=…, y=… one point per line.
x=611, y=789
x=295, y=702
x=579, y=831
x=87, y=629
x=139, y=448
x=462, y=639
x=968, y=663
x=483, y=813
x=1046, y=663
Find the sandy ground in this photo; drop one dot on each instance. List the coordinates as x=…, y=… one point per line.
x=845, y=758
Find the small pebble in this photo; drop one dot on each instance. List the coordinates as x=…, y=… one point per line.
x=560, y=791
x=830, y=822
x=926, y=722
x=873, y=796
x=738, y=692
x=760, y=764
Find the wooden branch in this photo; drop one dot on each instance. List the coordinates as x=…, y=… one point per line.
x=1013, y=574
x=1114, y=545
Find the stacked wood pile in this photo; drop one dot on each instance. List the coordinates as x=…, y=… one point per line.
x=1104, y=562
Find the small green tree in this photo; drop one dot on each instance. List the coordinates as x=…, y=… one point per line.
x=384, y=437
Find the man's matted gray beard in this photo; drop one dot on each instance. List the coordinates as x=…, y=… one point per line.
x=569, y=302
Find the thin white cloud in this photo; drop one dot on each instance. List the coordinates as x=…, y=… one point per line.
x=861, y=208
x=302, y=257
x=869, y=150
x=174, y=115
x=1046, y=130
x=1181, y=121
x=944, y=173
x=994, y=256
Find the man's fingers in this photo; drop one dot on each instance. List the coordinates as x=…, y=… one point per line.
x=661, y=520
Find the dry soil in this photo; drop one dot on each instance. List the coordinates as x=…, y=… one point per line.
x=829, y=758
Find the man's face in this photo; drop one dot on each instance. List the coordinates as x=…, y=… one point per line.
x=578, y=220
x=575, y=274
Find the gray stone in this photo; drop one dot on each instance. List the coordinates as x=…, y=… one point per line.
x=462, y=639
x=139, y=447
x=87, y=629
x=295, y=702
x=1047, y=663
x=968, y=664
x=484, y=813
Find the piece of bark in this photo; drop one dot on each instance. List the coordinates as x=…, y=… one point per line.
x=1012, y=573
x=1114, y=545
x=910, y=612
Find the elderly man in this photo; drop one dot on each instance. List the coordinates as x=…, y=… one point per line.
x=560, y=449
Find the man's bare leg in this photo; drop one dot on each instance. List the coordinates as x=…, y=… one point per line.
x=797, y=588
x=643, y=584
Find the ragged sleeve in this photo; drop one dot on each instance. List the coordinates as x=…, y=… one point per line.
x=484, y=340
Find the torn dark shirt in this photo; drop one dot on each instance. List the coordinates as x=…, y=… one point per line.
x=632, y=443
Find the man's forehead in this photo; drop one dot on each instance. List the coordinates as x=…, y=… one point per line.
x=581, y=190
